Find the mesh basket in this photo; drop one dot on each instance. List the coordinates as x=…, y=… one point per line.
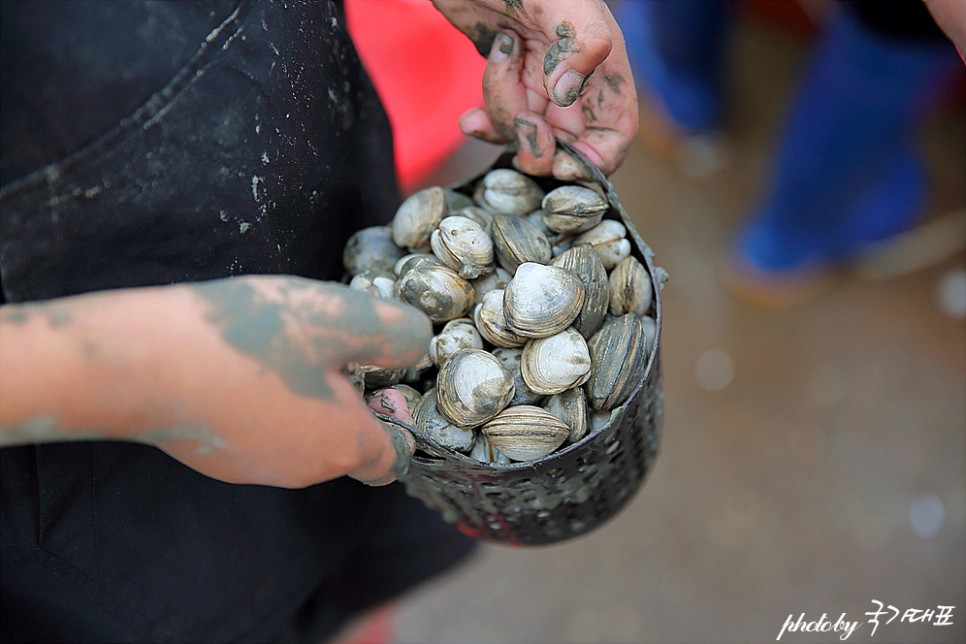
x=575, y=489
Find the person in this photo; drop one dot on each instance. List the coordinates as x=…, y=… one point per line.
x=178, y=181
x=846, y=173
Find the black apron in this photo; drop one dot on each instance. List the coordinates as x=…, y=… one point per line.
x=157, y=143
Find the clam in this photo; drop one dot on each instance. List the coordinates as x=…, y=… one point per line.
x=537, y=219
x=412, y=260
x=516, y=241
x=435, y=290
x=430, y=422
x=370, y=249
x=456, y=200
x=418, y=217
x=582, y=261
x=464, y=246
x=490, y=321
x=457, y=334
x=472, y=387
x=510, y=192
x=541, y=300
x=416, y=372
x=571, y=407
x=484, y=452
x=375, y=377
x=526, y=432
x=375, y=282
x=630, y=288
x=497, y=280
x=480, y=215
x=511, y=358
x=618, y=357
x=556, y=363
x=650, y=331
x=609, y=239
x=573, y=209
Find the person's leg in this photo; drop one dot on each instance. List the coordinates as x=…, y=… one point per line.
x=846, y=171
x=675, y=51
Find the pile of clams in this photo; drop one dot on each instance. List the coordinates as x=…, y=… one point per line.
x=541, y=313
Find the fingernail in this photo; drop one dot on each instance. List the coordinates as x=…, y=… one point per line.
x=502, y=47
x=568, y=88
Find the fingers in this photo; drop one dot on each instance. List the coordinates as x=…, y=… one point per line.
x=580, y=40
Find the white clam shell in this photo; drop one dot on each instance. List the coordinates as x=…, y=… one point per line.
x=455, y=335
x=417, y=217
x=497, y=280
x=370, y=248
x=510, y=192
x=484, y=452
x=472, y=387
x=609, y=239
x=582, y=261
x=542, y=300
x=436, y=290
x=573, y=209
x=571, y=407
x=516, y=240
x=430, y=422
x=511, y=359
x=526, y=432
x=490, y=321
x=557, y=363
x=631, y=290
x=618, y=354
x=464, y=246
x=376, y=282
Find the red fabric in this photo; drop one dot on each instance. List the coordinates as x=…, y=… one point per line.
x=427, y=74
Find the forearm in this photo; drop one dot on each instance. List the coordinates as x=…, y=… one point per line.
x=79, y=367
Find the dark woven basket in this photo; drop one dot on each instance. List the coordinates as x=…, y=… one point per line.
x=571, y=491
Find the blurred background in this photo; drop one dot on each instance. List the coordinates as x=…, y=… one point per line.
x=813, y=458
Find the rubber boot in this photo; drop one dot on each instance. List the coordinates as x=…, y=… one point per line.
x=846, y=170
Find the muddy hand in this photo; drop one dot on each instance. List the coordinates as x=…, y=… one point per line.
x=554, y=69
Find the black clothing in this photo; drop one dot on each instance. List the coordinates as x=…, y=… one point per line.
x=155, y=143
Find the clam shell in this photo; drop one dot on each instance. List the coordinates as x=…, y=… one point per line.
x=526, y=432
x=490, y=321
x=370, y=249
x=541, y=300
x=609, y=239
x=557, y=363
x=582, y=261
x=374, y=377
x=484, y=452
x=571, y=407
x=573, y=209
x=457, y=334
x=631, y=290
x=464, y=246
x=430, y=422
x=435, y=290
x=418, y=217
x=510, y=192
x=511, y=358
x=618, y=357
x=375, y=282
x=516, y=241
x=497, y=280
x=472, y=387
x=412, y=260
x=480, y=215
x=456, y=200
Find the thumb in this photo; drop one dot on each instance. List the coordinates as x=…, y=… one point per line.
x=580, y=39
